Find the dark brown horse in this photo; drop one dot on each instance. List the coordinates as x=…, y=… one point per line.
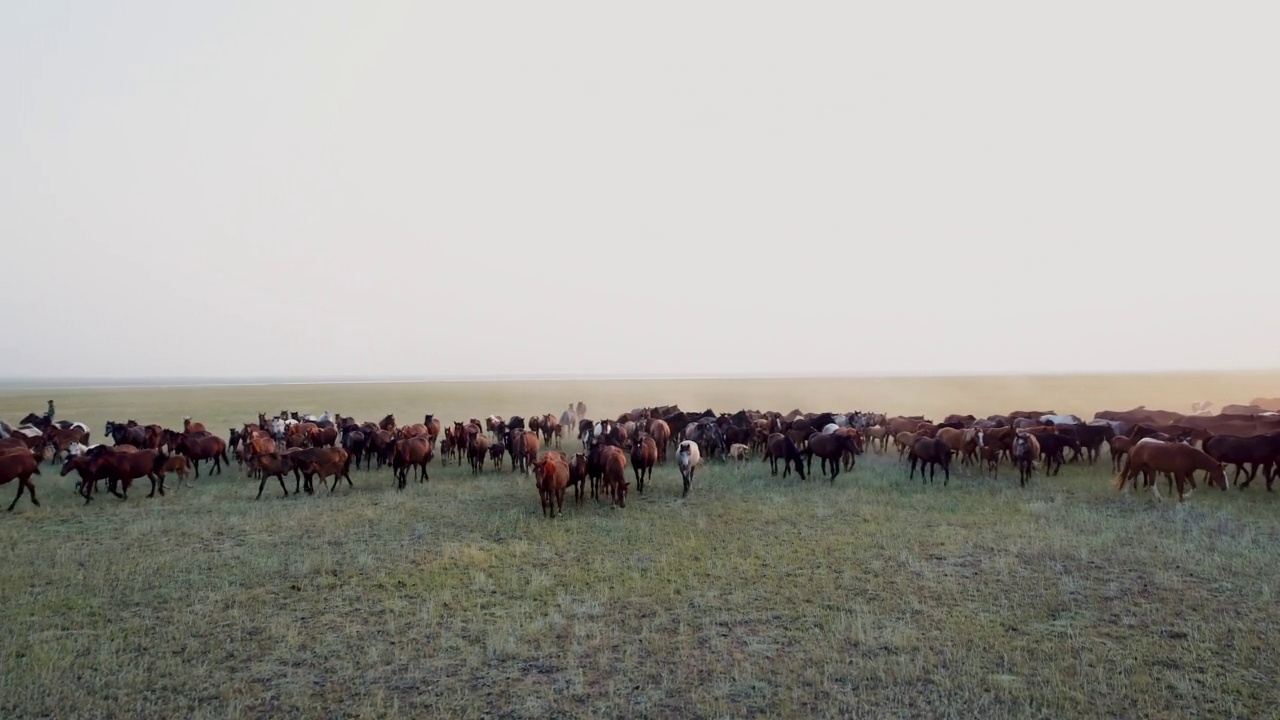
x=932, y=453
x=830, y=448
x=578, y=476
x=121, y=467
x=1025, y=452
x=781, y=447
x=433, y=427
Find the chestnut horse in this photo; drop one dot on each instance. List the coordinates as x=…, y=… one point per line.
x=552, y=475
x=644, y=455
x=1178, y=461
x=19, y=464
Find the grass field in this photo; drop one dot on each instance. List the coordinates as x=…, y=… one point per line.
x=754, y=596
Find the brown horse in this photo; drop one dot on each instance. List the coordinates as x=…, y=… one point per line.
x=178, y=465
x=661, y=433
x=932, y=453
x=478, y=452
x=526, y=451
x=192, y=427
x=1178, y=461
x=644, y=455
x=552, y=475
x=781, y=447
x=19, y=464
x=323, y=436
x=202, y=447
x=269, y=465
x=433, y=427
x=411, y=452
x=121, y=467
x=578, y=476
x=549, y=428
x=615, y=475
x=328, y=461
x=830, y=448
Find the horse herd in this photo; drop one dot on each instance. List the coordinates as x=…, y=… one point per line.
x=1144, y=442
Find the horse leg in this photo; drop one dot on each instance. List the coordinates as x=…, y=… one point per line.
x=22, y=485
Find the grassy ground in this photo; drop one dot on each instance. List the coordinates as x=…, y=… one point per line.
x=756, y=595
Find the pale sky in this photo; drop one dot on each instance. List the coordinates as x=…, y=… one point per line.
x=426, y=188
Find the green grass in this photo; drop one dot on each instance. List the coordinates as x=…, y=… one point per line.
x=756, y=595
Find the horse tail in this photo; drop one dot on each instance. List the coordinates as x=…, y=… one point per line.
x=1123, y=474
x=346, y=466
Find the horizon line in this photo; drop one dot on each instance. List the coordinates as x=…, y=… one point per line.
x=126, y=382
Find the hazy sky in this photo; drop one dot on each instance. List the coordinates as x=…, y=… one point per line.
x=262, y=188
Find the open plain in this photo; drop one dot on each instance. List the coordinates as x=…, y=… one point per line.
x=756, y=595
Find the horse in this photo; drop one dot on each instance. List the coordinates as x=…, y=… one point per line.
x=644, y=455
x=1051, y=448
x=615, y=476
x=781, y=447
x=578, y=476
x=688, y=457
x=19, y=464
x=478, y=452
x=325, y=462
x=202, y=447
x=932, y=453
x=660, y=431
x=1026, y=450
x=830, y=448
x=1176, y=460
x=552, y=476
x=410, y=452
x=269, y=465
x=118, y=467
x=433, y=427
x=527, y=450
x=1256, y=451
x=309, y=462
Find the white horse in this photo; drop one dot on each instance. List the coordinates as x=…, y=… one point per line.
x=689, y=458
